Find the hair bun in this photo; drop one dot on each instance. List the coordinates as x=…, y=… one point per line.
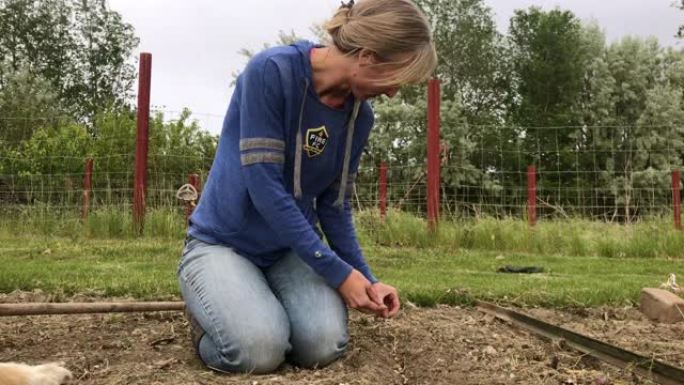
x=345, y=10
x=347, y=5
x=339, y=20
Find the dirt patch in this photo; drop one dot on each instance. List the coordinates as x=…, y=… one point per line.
x=445, y=345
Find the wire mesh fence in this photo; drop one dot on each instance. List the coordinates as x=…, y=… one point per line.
x=611, y=173
x=608, y=173
x=49, y=167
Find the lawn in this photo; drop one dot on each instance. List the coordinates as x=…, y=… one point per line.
x=585, y=264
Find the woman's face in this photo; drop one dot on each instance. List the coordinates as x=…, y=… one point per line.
x=370, y=74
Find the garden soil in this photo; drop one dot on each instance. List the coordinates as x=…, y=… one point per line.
x=443, y=345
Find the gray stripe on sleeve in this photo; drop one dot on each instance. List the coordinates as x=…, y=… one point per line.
x=262, y=143
x=262, y=157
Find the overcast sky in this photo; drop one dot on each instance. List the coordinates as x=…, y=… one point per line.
x=194, y=43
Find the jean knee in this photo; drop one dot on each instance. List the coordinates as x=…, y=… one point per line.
x=258, y=355
x=320, y=348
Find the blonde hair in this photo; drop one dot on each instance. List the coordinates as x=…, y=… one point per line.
x=388, y=28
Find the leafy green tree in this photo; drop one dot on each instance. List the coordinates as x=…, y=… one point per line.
x=551, y=56
x=634, y=64
x=549, y=63
x=48, y=167
x=645, y=142
x=178, y=147
x=26, y=102
x=106, y=43
x=472, y=57
x=81, y=47
x=595, y=104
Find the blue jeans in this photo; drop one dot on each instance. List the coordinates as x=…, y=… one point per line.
x=255, y=318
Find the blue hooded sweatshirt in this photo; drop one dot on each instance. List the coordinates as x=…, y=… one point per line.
x=281, y=161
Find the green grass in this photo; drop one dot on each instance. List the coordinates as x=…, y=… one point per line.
x=113, y=222
x=652, y=238
x=142, y=268
x=459, y=276
x=586, y=263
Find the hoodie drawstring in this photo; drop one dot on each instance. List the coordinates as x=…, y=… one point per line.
x=339, y=202
x=298, y=148
x=347, y=155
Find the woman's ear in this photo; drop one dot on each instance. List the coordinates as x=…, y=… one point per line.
x=367, y=57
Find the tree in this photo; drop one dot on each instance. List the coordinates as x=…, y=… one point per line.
x=645, y=141
x=472, y=58
x=26, y=103
x=106, y=43
x=80, y=47
x=48, y=166
x=595, y=104
x=549, y=63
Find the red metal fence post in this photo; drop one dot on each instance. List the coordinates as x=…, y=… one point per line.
x=433, y=170
x=87, y=188
x=383, y=189
x=676, y=199
x=142, y=141
x=532, y=195
x=194, y=180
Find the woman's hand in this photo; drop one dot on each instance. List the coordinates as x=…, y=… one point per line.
x=357, y=293
x=388, y=296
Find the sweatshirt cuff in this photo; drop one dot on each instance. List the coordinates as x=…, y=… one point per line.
x=365, y=270
x=336, y=272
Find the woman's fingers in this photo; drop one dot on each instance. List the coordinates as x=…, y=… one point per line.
x=389, y=297
x=374, y=295
x=394, y=304
x=371, y=306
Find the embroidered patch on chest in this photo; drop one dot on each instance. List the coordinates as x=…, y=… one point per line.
x=316, y=139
